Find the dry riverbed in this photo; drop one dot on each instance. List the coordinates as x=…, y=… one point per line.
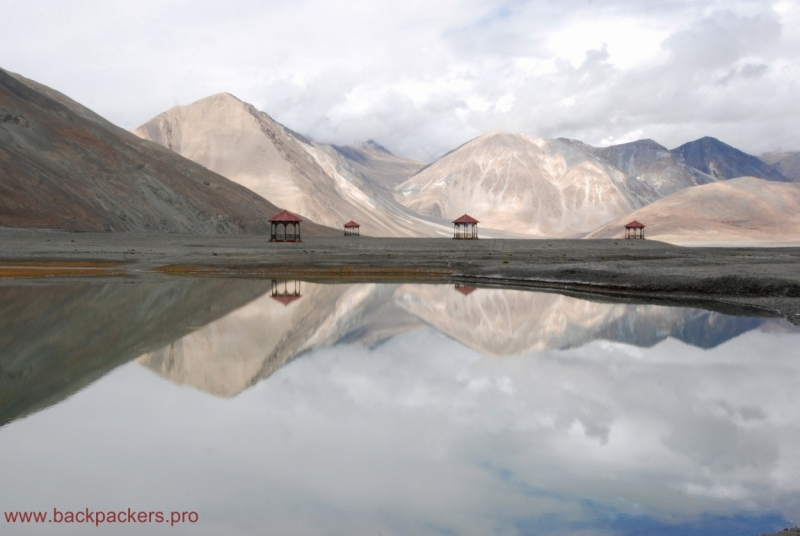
x=737, y=280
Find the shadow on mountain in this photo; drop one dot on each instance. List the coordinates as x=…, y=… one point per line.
x=57, y=339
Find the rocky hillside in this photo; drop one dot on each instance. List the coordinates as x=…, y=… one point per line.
x=786, y=162
x=723, y=162
x=743, y=210
x=331, y=185
x=65, y=167
x=517, y=182
x=377, y=164
x=654, y=171
x=562, y=188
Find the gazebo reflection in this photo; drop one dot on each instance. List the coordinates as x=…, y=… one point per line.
x=286, y=290
x=464, y=289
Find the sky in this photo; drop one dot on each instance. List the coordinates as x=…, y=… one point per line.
x=423, y=77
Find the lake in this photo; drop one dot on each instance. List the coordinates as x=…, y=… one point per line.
x=287, y=407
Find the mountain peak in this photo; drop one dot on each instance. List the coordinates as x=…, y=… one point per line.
x=723, y=162
x=224, y=96
x=375, y=146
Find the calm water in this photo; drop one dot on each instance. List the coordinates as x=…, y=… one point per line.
x=294, y=408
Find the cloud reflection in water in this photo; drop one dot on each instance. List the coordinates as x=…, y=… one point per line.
x=417, y=433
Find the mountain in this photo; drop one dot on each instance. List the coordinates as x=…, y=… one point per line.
x=561, y=187
x=724, y=162
x=515, y=184
x=520, y=183
x=65, y=167
x=658, y=171
x=331, y=185
x=787, y=163
x=743, y=210
x=375, y=163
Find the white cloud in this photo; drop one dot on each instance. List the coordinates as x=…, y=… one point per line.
x=423, y=77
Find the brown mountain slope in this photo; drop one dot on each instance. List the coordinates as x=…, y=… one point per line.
x=64, y=167
x=743, y=210
x=787, y=162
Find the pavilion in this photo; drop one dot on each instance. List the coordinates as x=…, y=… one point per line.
x=465, y=228
x=464, y=289
x=634, y=230
x=285, y=227
x=351, y=228
x=285, y=291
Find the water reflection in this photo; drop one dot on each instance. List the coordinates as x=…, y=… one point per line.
x=286, y=291
x=56, y=339
x=600, y=418
x=502, y=322
x=234, y=352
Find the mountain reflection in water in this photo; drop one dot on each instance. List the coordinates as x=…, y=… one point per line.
x=234, y=352
x=415, y=409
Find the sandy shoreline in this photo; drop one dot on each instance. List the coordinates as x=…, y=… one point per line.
x=739, y=279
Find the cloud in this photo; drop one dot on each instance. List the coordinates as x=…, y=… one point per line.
x=423, y=77
x=422, y=435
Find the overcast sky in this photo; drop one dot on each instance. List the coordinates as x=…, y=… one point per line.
x=423, y=76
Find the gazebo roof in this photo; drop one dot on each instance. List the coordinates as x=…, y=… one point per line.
x=634, y=225
x=466, y=218
x=285, y=216
x=351, y=223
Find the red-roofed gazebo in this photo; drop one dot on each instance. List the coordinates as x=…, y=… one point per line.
x=634, y=230
x=351, y=228
x=465, y=228
x=463, y=289
x=285, y=291
x=280, y=228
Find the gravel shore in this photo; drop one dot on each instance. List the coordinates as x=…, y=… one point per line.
x=737, y=280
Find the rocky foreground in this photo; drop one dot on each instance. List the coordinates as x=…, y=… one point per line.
x=737, y=280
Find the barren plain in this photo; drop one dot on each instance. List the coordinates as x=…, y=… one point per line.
x=750, y=281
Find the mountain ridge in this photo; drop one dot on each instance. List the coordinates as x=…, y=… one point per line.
x=786, y=162
x=65, y=167
x=723, y=162
x=535, y=186
x=331, y=184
